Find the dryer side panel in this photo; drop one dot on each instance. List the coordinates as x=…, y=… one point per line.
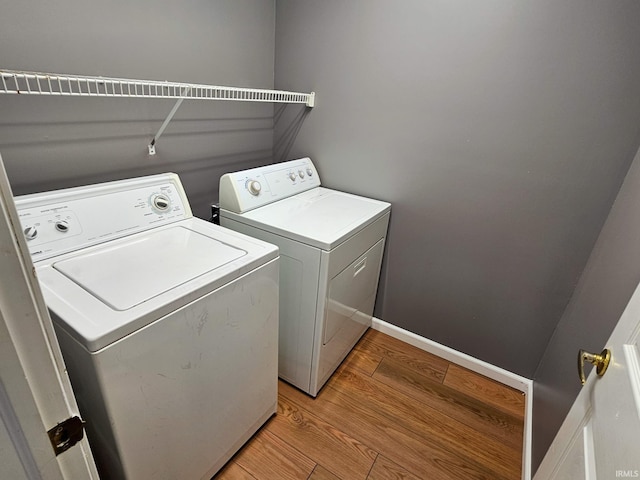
x=299, y=279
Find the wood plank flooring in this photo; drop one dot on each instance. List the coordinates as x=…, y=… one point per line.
x=391, y=411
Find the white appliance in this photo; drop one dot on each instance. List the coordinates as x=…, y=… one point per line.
x=168, y=324
x=331, y=246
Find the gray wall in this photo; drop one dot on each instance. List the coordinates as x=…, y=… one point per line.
x=607, y=283
x=49, y=143
x=501, y=132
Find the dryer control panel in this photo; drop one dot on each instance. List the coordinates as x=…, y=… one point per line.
x=66, y=220
x=248, y=189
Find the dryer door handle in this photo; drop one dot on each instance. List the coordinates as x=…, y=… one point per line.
x=360, y=266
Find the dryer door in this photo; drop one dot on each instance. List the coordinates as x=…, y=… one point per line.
x=352, y=295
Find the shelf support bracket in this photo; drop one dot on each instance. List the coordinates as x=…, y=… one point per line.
x=311, y=102
x=152, y=145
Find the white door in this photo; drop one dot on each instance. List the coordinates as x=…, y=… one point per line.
x=600, y=438
x=35, y=392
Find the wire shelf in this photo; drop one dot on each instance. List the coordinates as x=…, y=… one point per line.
x=34, y=83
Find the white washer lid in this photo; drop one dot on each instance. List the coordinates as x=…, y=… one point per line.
x=95, y=324
x=129, y=273
x=320, y=217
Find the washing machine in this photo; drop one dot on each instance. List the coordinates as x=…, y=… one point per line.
x=331, y=245
x=168, y=324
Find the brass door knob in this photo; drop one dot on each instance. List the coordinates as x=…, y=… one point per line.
x=601, y=361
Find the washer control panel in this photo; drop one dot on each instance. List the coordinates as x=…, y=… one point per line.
x=248, y=189
x=65, y=220
x=46, y=226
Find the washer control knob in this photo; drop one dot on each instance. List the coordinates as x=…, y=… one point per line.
x=62, y=226
x=309, y=172
x=300, y=173
x=254, y=187
x=292, y=176
x=161, y=202
x=30, y=233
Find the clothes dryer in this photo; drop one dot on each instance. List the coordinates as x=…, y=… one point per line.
x=331, y=245
x=167, y=323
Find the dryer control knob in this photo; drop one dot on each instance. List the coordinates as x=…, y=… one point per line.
x=301, y=173
x=292, y=176
x=309, y=172
x=254, y=187
x=30, y=233
x=62, y=226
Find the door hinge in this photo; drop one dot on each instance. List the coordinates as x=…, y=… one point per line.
x=66, y=434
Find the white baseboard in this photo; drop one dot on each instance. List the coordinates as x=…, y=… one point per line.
x=483, y=368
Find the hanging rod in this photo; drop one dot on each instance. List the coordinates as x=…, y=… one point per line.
x=36, y=83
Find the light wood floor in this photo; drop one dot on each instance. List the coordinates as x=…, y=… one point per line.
x=391, y=411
